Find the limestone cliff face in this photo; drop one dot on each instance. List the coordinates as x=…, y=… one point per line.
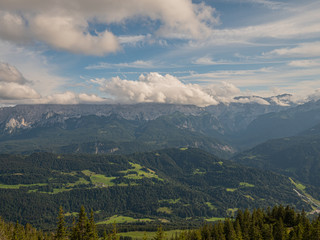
x=233, y=117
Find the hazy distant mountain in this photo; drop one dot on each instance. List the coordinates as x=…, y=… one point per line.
x=127, y=128
x=284, y=123
x=297, y=156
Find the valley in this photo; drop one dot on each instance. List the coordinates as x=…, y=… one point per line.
x=137, y=167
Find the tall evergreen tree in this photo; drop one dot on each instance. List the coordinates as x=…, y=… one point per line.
x=91, y=228
x=229, y=231
x=61, y=232
x=160, y=235
x=279, y=231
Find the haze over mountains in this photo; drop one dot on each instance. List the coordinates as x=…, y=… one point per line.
x=221, y=129
x=82, y=154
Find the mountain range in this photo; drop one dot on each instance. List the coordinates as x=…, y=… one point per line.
x=110, y=156
x=220, y=129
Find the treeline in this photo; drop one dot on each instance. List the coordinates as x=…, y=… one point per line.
x=82, y=229
x=279, y=223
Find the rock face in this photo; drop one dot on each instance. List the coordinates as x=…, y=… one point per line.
x=230, y=128
x=232, y=118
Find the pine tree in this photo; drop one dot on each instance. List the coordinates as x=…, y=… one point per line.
x=61, y=232
x=315, y=232
x=105, y=235
x=79, y=229
x=220, y=230
x=73, y=235
x=229, y=230
x=266, y=232
x=279, y=230
x=114, y=235
x=82, y=224
x=91, y=232
x=237, y=228
x=160, y=235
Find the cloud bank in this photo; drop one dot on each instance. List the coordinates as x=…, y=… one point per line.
x=154, y=87
x=15, y=89
x=67, y=25
x=13, y=84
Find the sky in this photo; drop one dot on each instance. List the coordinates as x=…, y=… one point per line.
x=167, y=51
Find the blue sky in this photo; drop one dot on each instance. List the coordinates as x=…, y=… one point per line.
x=181, y=51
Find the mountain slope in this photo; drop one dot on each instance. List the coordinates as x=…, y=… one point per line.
x=297, y=156
x=100, y=134
x=172, y=184
x=126, y=128
x=285, y=123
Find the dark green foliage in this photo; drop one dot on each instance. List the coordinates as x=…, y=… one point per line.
x=297, y=156
x=256, y=225
x=61, y=226
x=190, y=183
x=160, y=235
x=11, y=231
x=83, y=229
x=260, y=224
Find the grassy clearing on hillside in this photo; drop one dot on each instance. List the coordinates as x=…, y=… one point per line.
x=99, y=180
x=302, y=188
x=149, y=235
x=249, y=197
x=123, y=219
x=214, y=219
x=297, y=185
x=17, y=186
x=170, y=201
x=231, y=189
x=164, y=210
x=199, y=171
x=139, y=172
x=231, y=211
x=69, y=186
x=245, y=184
x=209, y=204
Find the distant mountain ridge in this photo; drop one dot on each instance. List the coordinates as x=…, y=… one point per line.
x=143, y=125
x=220, y=129
x=296, y=156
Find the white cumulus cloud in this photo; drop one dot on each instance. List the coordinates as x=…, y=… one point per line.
x=154, y=87
x=13, y=85
x=71, y=98
x=9, y=73
x=69, y=33
x=70, y=25
x=14, y=91
x=158, y=88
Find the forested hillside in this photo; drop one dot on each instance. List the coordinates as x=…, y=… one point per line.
x=278, y=223
x=297, y=156
x=169, y=185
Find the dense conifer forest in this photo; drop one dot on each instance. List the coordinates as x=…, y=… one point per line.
x=278, y=223
x=178, y=185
